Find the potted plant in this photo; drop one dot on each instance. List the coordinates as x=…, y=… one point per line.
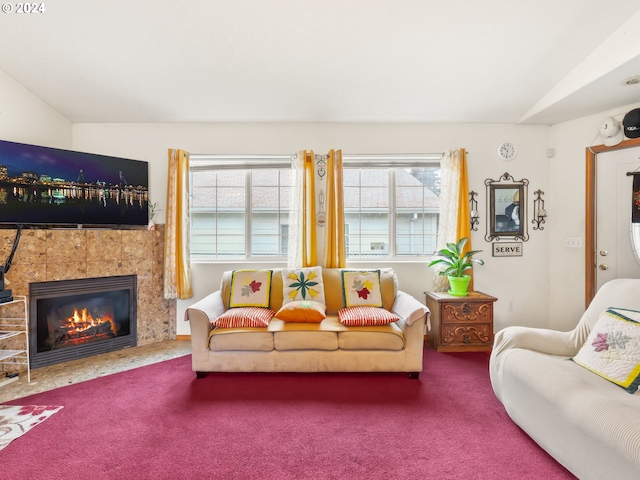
x=456, y=263
x=152, y=213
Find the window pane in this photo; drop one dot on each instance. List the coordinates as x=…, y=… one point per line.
x=367, y=203
x=417, y=207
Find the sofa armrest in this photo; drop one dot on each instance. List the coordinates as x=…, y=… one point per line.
x=542, y=340
x=413, y=316
x=200, y=315
x=410, y=309
x=511, y=339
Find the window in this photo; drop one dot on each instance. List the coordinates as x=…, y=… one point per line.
x=239, y=211
x=391, y=212
x=226, y=204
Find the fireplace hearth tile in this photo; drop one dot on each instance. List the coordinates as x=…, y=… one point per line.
x=106, y=268
x=66, y=245
x=76, y=371
x=33, y=248
x=66, y=271
x=104, y=245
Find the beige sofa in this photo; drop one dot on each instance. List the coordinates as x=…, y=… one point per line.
x=587, y=423
x=328, y=346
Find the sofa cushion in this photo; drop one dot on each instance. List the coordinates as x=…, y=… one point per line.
x=240, y=339
x=361, y=288
x=306, y=336
x=612, y=349
x=244, y=317
x=302, y=311
x=302, y=284
x=250, y=288
x=379, y=337
x=361, y=316
x=305, y=340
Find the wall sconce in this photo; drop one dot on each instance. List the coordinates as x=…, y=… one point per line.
x=473, y=207
x=539, y=213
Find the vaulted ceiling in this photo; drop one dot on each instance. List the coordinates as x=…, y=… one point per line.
x=489, y=61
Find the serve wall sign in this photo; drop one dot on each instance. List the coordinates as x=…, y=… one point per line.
x=511, y=249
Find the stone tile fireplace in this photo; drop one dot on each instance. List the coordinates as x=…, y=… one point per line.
x=50, y=255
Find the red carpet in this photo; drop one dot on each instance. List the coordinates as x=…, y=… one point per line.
x=159, y=422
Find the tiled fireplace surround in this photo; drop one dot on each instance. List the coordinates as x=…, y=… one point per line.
x=63, y=254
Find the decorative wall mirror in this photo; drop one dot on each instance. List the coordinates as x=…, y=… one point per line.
x=506, y=208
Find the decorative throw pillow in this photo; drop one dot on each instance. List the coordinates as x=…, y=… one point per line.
x=250, y=288
x=304, y=311
x=302, y=284
x=612, y=349
x=361, y=288
x=244, y=317
x=366, y=316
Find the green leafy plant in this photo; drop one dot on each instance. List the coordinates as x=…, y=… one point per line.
x=454, y=260
x=152, y=210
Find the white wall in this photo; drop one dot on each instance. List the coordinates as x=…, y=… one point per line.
x=25, y=118
x=522, y=282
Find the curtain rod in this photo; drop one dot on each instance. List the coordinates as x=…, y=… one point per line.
x=204, y=161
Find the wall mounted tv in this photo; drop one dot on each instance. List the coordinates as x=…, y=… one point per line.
x=49, y=187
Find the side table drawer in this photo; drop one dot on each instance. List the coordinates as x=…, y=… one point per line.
x=467, y=312
x=467, y=335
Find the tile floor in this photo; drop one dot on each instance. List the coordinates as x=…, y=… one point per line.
x=67, y=373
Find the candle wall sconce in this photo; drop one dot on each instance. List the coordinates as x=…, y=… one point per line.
x=539, y=213
x=473, y=208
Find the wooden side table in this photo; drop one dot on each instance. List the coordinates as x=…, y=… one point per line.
x=460, y=324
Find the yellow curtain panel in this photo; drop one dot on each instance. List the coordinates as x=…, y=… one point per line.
x=177, y=268
x=463, y=228
x=334, y=240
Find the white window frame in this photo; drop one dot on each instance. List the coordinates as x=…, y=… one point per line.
x=199, y=162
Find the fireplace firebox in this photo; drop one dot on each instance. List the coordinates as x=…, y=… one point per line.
x=72, y=319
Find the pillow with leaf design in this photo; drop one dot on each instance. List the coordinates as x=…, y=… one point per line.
x=612, y=349
x=300, y=284
x=250, y=288
x=361, y=288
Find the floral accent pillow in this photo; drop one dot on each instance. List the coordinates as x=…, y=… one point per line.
x=302, y=284
x=361, y=288
x=612, y=349
x=250, y=288
x=366, y=316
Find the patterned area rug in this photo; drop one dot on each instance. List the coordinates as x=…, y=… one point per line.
x=16, y=420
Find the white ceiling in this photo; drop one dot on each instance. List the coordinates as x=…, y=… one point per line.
x=488, y=61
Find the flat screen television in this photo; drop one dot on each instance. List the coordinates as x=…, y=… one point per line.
x=49, y=187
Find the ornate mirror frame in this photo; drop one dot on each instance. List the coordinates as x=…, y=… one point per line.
x=502, y=195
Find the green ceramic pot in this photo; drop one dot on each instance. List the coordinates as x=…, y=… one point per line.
x=459, y=286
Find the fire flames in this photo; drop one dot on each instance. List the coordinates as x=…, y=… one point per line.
x=82, y=321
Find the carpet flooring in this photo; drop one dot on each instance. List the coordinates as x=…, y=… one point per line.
x=160, y=422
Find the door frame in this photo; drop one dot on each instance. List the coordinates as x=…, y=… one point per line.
x=590, y=213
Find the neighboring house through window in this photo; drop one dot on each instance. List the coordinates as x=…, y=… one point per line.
x=240, y=209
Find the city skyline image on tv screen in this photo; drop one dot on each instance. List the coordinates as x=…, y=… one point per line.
x=50, y=186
